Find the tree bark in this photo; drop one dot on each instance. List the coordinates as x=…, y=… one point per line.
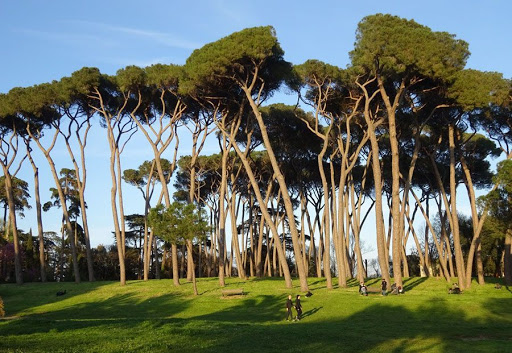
x=395, y=183
x=284, y=192
x=81, y=183
x=62, y=198
x=39, y=217
x=266, y=215
x=459, y=260
x=12, y=217
x=234, y=237
x=507, y=258
x=377, y=175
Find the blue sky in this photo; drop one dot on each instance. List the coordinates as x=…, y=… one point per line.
x=46, y=40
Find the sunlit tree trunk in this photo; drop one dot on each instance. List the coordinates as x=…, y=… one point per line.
x=391, y=108
x=62, y=198
x=266, y=215
x=42, y=262
x=81, y=178
x=438, y=245
x=507, y=258
x=14, y=225
x=234, y=234
x=222, y=208
x=454, y=224
x=284, y=191
x=377, y=175
x=116, y=126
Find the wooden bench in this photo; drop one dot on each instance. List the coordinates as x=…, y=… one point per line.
x=230, y=292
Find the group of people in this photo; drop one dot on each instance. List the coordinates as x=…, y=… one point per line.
x=384, y=288
x=297, y=306
x=362, y=289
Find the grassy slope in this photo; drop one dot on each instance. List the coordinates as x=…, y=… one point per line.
x=157, y=317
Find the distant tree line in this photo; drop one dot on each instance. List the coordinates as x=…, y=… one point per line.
x=405, y=126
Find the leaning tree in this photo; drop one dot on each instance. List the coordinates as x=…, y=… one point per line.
x=250, y=63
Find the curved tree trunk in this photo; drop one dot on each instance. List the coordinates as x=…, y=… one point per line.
x=377, y=176
x=285, y=195
x=234, y=237
x=67, y=222
x=12, y=220
x=379, y=217
x=81, y=183
x=117, y=229
x=222, y=213
x=459, y=260
x=42, y=262
x=326, y=218
x=62, y=198
x=438, y=245
x=267, y=216
x=395, y=183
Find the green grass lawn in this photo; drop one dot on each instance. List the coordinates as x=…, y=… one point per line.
x=157, y=317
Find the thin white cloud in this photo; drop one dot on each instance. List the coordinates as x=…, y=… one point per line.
x=231, y=11
x=77, y=38
x=167, y=39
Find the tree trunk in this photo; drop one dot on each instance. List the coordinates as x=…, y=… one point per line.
x=199, y=261
x=459, y=260
x=175, y=266
x=234, y=236
x=157, y=264
x=42, y=262
x=438, y=246
x=377, y=176
x=62, y=198
x=14, y=226
x=88, y=253
x=379, y=217
x=284, y=191
x=395, y=179
x=81, y=183
x=507, y=258
x=477, y=228
x=426, y=267
x=259, y=269
x=319, y=255
x=479, y=264
x=326, y=214
x=119, y=240
x=252, y=257
x=266, y=215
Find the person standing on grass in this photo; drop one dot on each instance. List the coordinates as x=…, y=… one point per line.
x=362, y=289
x=289, y=305
x=384, y=287
x=298, y=307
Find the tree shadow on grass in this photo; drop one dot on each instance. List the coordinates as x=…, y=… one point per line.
x=256, y=323
x=125, y=310
x=311, y=312
x=317, y=282
x=374, y=283
x=437, y=326
x=20, y=299
x=258, y=309
x=412, y=282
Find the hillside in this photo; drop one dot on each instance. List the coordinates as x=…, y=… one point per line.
x=157, y=317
